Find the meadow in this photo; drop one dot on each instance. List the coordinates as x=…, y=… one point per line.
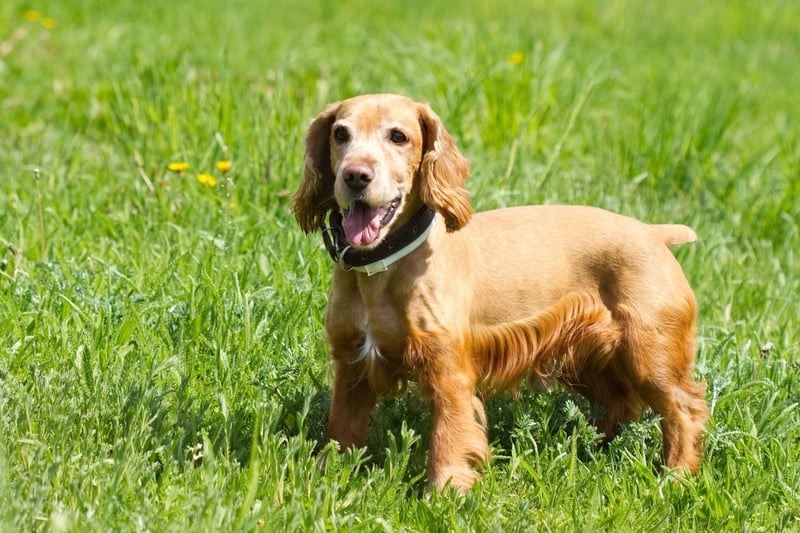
x=162, y=356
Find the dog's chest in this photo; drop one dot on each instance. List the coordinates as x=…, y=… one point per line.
x=379, y=312
x=382, y=338
x=369, y=352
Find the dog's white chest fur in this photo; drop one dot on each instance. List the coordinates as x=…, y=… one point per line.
x=369, y=352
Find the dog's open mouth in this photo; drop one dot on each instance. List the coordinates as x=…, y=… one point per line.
x=362, y=223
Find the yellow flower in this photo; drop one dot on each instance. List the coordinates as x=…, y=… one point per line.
x=48, y=23
x=178, y=167
x=224, y=165
x=207, y=179
x=516, y=58
x=32, y=16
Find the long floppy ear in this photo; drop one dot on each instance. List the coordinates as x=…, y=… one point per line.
x=314, y=198
x=443, y=172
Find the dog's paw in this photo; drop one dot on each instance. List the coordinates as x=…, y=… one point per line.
x=461, y=478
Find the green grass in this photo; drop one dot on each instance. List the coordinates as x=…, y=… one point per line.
x=162, y=357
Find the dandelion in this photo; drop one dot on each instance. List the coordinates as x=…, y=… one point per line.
x=207, y=179
x=224, y=165
x=178, y=167
x=32, y=16
x=516, y=58
x=48, y=23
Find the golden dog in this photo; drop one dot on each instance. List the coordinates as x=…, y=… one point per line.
x=463, y=304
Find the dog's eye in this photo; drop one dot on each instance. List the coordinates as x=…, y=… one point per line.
x=398, y=137
x=341, y=135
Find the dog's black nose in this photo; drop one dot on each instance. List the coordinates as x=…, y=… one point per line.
x=358, y=176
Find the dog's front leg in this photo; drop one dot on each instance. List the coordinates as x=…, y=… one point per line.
x=458, y=440
x=351, y=406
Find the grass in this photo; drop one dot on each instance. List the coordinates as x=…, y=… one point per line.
x=162, y=357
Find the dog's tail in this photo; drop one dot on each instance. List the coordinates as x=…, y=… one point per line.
x=674, y=234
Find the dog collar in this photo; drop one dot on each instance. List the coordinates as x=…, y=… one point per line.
x=394, y=247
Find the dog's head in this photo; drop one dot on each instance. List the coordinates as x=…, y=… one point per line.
x=378, y=158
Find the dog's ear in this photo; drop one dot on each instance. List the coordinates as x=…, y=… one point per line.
x=443, y=172
x=314, y=198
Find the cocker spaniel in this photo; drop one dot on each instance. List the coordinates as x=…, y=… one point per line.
x=467, y=305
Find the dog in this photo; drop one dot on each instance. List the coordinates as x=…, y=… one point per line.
x=468, y=305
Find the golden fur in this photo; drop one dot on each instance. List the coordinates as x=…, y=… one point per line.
x=576, y=294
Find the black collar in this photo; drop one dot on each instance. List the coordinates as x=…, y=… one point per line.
x=351, y=258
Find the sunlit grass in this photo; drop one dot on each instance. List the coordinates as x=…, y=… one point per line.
x=162, y=357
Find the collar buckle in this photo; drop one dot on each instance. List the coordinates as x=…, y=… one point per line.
x=374, y=268
x=335, y=241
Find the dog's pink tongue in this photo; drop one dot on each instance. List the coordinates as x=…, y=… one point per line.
x=362, y=224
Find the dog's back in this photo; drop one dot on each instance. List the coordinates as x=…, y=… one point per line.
x=527, y=258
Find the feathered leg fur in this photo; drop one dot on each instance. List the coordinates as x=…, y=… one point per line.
x=612, y=359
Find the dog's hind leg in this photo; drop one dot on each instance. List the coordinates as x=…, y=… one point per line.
x=683, y=411
x=614, y=395
x=660, y=365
